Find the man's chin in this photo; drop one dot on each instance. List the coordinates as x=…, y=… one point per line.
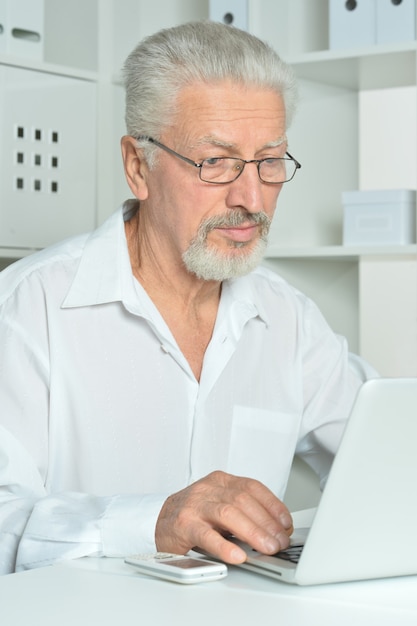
x=210, y=264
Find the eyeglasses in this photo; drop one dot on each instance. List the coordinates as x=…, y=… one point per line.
x=223, y=170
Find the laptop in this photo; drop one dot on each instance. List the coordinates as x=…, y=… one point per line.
x=365, y=525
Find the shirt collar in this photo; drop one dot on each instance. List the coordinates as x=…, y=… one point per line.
x=243, y=293
x=104, y=273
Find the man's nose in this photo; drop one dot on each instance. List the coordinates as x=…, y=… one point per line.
x=246, y=191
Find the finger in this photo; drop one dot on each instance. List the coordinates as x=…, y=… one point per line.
x=275, y=507
x=213, y=543
x=249, y=522
x=259, y=504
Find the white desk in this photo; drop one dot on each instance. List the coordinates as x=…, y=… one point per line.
x=104, y=592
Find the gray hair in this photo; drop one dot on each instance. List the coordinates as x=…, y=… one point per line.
x=208, y=52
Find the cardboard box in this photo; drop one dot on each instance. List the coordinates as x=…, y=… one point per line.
x=384, y=217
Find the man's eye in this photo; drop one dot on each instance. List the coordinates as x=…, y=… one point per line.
x=273, y=162
x=213, y=161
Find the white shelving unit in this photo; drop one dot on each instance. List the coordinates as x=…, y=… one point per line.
x=85, y=41
x=367, y=294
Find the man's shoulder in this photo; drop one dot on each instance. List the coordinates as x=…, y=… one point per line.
x=267, y=289
x=53, y=269
x=59, y=258
x=64, y=254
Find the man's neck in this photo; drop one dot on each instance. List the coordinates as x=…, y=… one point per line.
x=188, y=305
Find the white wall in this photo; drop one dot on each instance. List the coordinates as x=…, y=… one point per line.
x=387, y=138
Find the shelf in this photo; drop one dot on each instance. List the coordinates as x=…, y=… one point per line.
x=16, y=253
x=375, y=67
x=341, y=253
x=48, y=68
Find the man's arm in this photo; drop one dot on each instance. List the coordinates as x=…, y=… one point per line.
x=37, y=528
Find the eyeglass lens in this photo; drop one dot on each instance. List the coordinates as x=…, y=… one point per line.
x=224, y=170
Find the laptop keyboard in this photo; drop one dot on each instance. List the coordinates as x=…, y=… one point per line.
x=292, y=553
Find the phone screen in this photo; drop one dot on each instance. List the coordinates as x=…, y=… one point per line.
x=185, y=563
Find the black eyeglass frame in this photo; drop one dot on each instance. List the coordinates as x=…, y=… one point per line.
x=213, y=182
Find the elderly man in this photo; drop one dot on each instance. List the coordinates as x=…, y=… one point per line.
x=155, y=381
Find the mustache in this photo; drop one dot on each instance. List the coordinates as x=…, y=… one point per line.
x=233, y=219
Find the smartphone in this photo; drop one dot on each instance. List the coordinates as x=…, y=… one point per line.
x=178, y=568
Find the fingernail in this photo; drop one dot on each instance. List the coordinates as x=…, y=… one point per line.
x=284, y=541
x=237, y=556
x=272, y=545
x=286, y=520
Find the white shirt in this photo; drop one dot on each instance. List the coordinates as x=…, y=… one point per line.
x=101, y=417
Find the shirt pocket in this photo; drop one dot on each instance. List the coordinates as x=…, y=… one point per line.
x=262, y=445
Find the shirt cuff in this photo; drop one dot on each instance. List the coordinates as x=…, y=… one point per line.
x=128, y=525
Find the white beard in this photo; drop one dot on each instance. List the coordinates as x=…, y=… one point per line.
x=208, y=263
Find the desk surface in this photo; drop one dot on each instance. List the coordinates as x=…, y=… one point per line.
x=109, y=592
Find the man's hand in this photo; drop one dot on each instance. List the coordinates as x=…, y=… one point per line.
x=201, y=514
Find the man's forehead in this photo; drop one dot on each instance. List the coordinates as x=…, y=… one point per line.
x=224, y=114
x=223, y=143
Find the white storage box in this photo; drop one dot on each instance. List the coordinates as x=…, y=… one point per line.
x=2, y=26
x=395, y=21
x=352, y=23
x=48, y=157
x=230, y=12
x=23, y=27
x=385, y=217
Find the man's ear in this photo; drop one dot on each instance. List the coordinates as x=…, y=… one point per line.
x=135, y=167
